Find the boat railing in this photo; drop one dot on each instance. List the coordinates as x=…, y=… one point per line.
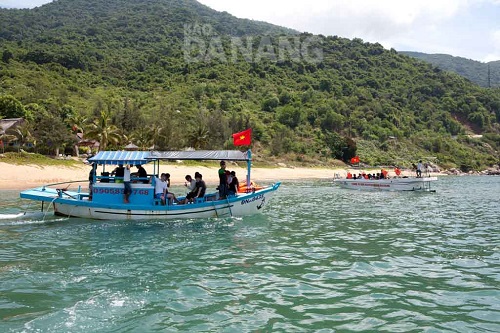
x=66, y=183
x=63, y=190
x=113, y=179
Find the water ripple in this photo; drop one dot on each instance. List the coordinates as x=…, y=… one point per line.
x=321, y=259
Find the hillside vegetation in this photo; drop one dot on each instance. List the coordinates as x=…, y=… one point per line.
x=176, y=74
x=483, y=74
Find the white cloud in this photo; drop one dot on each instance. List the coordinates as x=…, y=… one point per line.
x=370, y=20
x=22, y=3
x=495, y=41
x=394, y=12
x=432, y=26
x=495, y=38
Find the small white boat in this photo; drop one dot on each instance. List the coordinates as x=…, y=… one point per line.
x=390, y=184
x=106, y=201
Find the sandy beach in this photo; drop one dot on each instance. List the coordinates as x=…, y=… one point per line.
x=19, y=177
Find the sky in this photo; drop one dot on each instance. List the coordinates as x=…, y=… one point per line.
x=464, y=28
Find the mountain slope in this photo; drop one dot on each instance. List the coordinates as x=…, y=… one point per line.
x=79, y=33
x=483, y=74
x=306, y=97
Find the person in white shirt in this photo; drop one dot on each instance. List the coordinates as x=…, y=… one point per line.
x=419, y=169
x=190, y=183
x=191, y=186
x=126, y=182
x=160, y=187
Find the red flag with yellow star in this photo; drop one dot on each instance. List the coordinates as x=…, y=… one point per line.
x=243, y=138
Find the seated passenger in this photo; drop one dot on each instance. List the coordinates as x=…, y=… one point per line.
x=141, y=173
x=190, y=183
x=168, y=179
x=160, y=188
x=191, y=186
x=118, y=173
x=201, y=187
x=234, y=185
x=104, y=177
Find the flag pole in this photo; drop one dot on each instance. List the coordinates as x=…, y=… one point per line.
x=249, y=166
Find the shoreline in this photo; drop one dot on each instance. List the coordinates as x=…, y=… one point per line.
x=21, y=177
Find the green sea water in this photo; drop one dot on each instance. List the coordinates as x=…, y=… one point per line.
x=320, y=259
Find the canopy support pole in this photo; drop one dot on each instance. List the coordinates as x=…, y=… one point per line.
x=249, y=167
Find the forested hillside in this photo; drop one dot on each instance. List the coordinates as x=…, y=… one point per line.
x=176, y=74
x=483, y=74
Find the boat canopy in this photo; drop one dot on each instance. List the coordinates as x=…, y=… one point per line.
x=143, y=157
x=121, y=157
x=223, y=155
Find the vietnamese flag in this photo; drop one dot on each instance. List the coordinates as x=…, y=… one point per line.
x=243, y=138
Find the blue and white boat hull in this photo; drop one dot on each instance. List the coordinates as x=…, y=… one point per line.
x=77, y=204
x=107, y=199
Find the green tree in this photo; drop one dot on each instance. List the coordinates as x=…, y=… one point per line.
x=53, y=134
x=270, y=103
x=198, y=137
x=142, y=137
x=23, y=135
x=7, y=55
x=129, y=116
x=10, y=107
x=78, y=124
x=290, y=115
x=102, y=130
x=340, y=147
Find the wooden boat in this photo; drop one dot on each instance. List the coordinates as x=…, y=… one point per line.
x=106, y=201
x=390, y=184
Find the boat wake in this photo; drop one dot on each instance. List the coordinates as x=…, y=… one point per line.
x=11, y=216
x=26, y=218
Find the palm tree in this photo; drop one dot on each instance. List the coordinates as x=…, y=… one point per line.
x=23, y=135
x=143, y=138
x=78, y=124
x=156, y=134
x=199, y=137
x=103, y=131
